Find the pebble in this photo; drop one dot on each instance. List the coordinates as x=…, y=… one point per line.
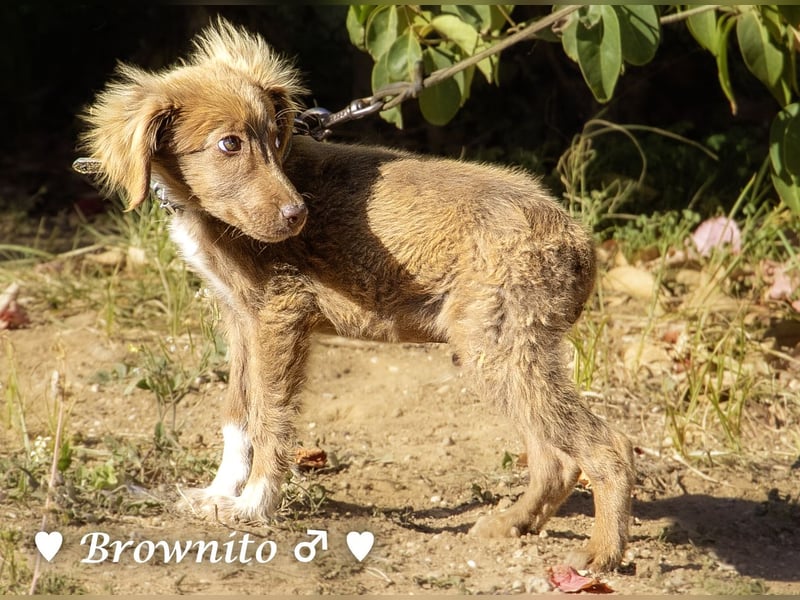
x=471, y=564
x=538, y=585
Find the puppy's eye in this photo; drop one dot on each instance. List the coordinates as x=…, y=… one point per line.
x=230, y=144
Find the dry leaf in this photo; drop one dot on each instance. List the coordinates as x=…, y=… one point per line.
x=783, y=284
x=632, y=281
x=652, y=357
x=715, y=234
x=12, y=315
x=310, y=458
x=112, y=258
x=566, y=579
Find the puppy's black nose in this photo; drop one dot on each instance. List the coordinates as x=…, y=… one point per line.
x=294, y=213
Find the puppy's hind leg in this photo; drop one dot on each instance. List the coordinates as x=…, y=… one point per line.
x=508, y=331
x=562, y=438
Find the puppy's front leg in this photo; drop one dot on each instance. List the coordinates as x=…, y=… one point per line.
x=276, y=371
x=277, y=344
x=237, y=453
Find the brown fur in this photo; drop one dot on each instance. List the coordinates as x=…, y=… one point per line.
x=380, y=244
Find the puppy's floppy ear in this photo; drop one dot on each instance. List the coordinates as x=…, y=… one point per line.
x=124, y=125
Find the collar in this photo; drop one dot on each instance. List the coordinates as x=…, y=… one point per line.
x=160, y=192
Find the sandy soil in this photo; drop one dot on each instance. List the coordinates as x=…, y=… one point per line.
x=413, y=457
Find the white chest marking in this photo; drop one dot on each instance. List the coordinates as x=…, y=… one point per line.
x=192, y=252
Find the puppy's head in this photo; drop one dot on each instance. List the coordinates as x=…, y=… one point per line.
x=214, y=130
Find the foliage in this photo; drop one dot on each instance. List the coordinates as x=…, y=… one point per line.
x=603, y=40
x=397, y=37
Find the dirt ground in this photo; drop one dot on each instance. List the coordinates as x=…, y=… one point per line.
x=414, y=458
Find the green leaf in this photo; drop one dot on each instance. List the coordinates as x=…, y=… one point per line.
x=457, y=31
x=356, y=17
x=439, y=103
x=401, y=57
x=590, y=16
x=380, y=77
x=381, y=31
x=784, y=149
x=726, y=25
x=599, y=51
x=478, y=16
x=468, y=39
x=791, y=147
x=773, y=22
x=569, y=39
x=763, y=58
x=498, y=18
x=788, y=192
x=640, y=32
x=703, y=27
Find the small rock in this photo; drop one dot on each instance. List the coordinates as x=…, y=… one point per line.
x=538, y=585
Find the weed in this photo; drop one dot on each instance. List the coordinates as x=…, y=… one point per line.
x=170, y=376
x=14, y=572
x=14, y=413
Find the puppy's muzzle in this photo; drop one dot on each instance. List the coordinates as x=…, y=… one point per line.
x=294, y=216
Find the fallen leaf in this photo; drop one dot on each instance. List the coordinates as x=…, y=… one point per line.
x=566, y=579
x=310, y=458
x=715, y=234
x=783, y=285
x=12, y=315
x=110, y=258
x=632, y=281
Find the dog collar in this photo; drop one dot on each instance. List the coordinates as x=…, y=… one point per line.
x=160, y=192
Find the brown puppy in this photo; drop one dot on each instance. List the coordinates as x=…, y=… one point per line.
x=379, y=243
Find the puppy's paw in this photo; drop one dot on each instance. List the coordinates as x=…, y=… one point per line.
x=594, y=560
x=500, y=525
x=205, y=503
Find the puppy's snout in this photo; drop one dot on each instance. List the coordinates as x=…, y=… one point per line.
x=295, y=214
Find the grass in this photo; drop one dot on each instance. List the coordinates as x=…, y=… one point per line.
x=707, y=385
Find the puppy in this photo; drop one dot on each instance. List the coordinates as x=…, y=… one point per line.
x=291, y=234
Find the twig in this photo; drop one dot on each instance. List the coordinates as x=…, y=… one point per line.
x=679, y=459
x=685, y=14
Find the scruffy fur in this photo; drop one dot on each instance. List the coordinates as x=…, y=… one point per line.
x=378, y=243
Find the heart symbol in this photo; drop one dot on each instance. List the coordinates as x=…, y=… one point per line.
x=360, y=543
x=48, y=543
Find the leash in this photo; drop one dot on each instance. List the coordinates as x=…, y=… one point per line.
x=317, y=121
